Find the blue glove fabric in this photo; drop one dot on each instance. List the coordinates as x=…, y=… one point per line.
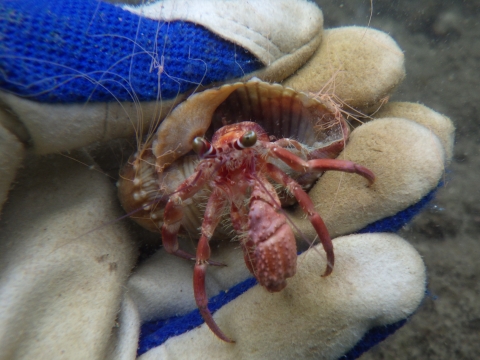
x=155, y=333
x=76, y=51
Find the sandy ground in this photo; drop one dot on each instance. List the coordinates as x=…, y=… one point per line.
x=442, y=52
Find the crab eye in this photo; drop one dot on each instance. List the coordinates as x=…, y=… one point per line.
x=199, y=146
x=248, y=139
x=202, y=147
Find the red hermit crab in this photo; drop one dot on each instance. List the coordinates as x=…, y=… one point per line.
x=237, y=170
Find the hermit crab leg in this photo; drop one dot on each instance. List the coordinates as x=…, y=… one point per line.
x=173, y=213
x=301, y=165
x=307, y=206
x=215, y=206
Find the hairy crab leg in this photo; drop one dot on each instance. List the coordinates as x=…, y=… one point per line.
x=215, y=206
x=173, y=213
x=328, y=152
x=307, y=205
x=301, y=165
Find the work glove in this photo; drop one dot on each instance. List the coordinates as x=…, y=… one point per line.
x=67, y=286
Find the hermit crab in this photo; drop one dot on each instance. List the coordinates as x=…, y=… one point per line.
x=249, y=148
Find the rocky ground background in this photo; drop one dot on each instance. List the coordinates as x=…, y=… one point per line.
x=441, y=40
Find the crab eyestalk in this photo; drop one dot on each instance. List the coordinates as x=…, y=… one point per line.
x=203, y=148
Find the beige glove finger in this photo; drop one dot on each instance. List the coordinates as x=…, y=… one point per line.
x=60, y=290
x=437, y=123
x=359, y=66
x=408, y=161
x=379, y=279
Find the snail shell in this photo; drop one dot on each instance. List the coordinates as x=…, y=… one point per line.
x=315, y=129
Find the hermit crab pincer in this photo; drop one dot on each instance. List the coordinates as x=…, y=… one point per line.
x=263, y=134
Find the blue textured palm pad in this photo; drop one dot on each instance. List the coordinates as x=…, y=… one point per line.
x=155, y=333
x=84, y=50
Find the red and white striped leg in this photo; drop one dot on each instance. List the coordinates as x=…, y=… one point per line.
x=173, y=213
x=301, y=165
x=215, y=206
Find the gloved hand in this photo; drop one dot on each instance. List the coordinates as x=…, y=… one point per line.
x=77, y=72
x=62, y=285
